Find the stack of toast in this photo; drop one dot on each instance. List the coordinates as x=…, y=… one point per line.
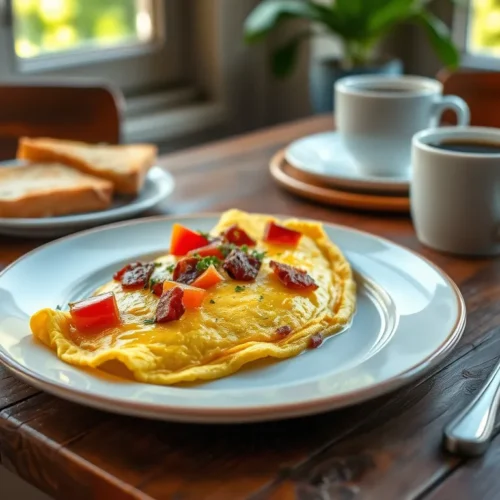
x=66, y=177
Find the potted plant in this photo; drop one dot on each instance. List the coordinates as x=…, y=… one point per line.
x=360, y=25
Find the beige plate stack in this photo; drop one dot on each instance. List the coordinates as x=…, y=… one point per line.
x=301, y=184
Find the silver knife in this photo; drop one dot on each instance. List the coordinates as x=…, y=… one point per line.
x=470, y=432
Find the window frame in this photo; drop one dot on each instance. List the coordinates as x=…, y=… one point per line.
x=106, y=63
x=225, y=87
x=460, y=31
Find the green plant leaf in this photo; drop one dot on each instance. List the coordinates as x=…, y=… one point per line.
x=362, y=20
x=350, y=19
x=350, y=8
x=284, y=58
x=268, y=14
x=439, y=37
x=328, y=16
x=389, y=14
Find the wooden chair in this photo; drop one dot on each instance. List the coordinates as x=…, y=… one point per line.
x=86, y=112
x=481, y=91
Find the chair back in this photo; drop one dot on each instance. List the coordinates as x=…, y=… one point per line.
x=90, y=113
x=481, y=91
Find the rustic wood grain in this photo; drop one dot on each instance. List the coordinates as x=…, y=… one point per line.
x=386, y=457
x=13, y=248
x=272, y=451
x=477, y=478
x=389, y=448
x=12, y=390
x=28, y=450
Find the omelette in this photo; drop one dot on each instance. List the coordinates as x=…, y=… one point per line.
x=254, y=287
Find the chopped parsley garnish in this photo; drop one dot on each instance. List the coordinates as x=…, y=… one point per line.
x=258, y=255
x=170, y=268
x=212, y=301
x=227, y=248
x=157, y=264
x=204, y=263
x=153, y=282
x=261, y=298
x=149, y=321
x=239, y=288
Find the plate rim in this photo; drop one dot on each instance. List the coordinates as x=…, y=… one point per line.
x=82, y=219
x=371, y=183
x=243, y=414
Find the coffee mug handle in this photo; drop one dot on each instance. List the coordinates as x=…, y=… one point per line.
x=456, y=104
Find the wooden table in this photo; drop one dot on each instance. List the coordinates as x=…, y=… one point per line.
x=386, y=449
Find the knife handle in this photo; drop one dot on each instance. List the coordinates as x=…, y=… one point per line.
x=469, y=433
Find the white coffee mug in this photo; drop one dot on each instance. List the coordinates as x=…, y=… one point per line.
x=455, y=196
x=377, y=116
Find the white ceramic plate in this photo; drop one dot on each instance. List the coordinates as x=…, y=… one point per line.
x=409, y=316
x=324, y=157
x=157, y=186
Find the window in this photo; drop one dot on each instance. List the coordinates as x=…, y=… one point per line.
x=133, y=43
x=60, y=26
x=484, y=32
x=144, y=47
x=181, y=64
x=477, y=31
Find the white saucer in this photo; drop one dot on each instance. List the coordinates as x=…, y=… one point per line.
x=157, y=186
x=324, y=157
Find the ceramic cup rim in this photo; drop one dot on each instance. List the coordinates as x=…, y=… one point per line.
x=423, y=138
x=413, y=85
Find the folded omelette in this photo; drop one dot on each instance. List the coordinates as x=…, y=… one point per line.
x=236, y=322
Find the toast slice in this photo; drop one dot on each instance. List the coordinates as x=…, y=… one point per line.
x=124, y=165
x=44, y=190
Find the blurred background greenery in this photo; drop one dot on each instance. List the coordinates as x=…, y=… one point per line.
x=45, y=26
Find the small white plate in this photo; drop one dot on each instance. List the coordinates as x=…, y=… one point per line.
x=324, y=157
x=409, y=316
x=157, y=186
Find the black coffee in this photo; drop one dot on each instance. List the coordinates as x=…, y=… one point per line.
x=388, y=90
x=469, y=146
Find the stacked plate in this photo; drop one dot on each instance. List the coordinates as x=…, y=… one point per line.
x=319, y=168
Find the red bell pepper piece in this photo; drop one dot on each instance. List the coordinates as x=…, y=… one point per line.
x=280, y=235
x=235, y=235
x=95, y=313
x=183, y=240
x=211, y=250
